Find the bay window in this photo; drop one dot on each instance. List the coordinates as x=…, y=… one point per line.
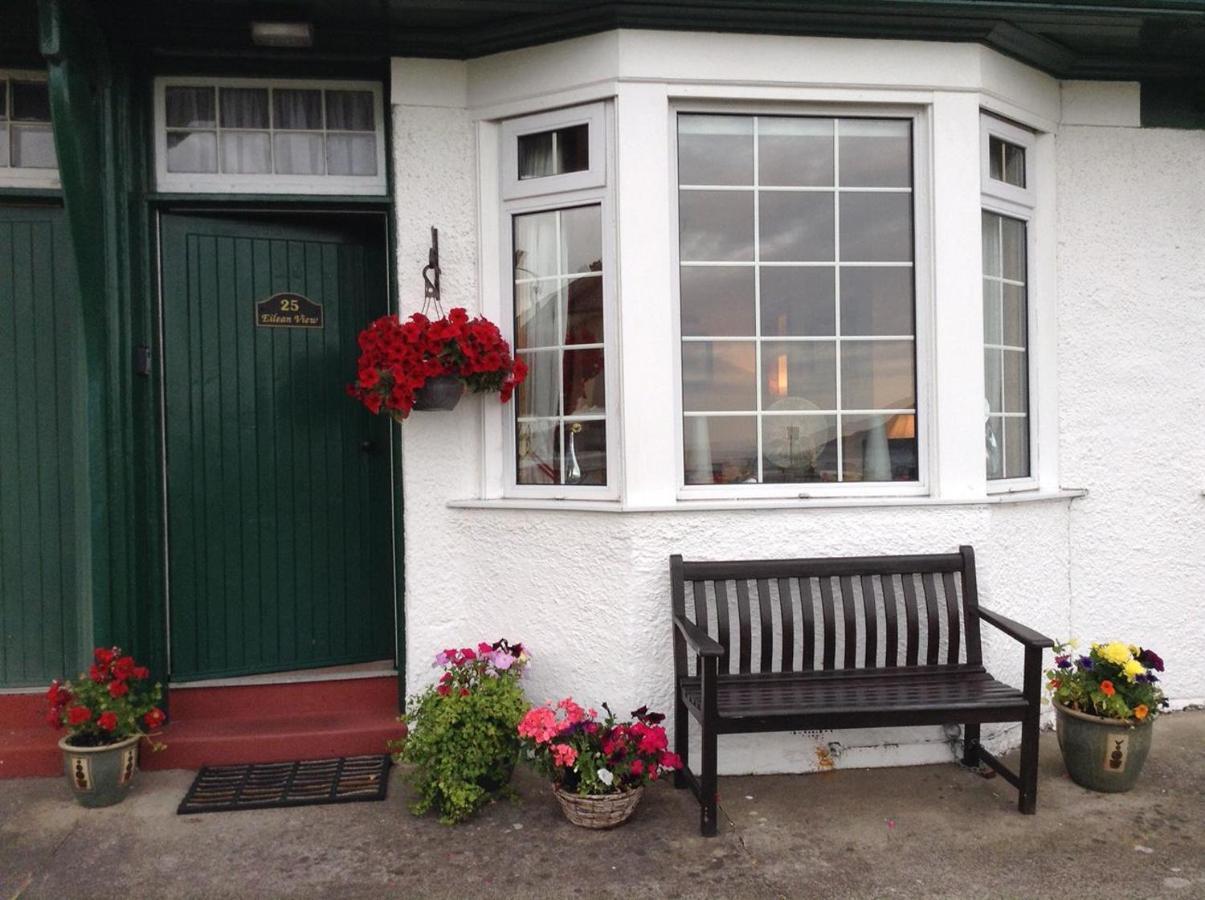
x=797, y=298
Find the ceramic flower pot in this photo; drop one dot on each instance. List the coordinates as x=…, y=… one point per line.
x=100, y=776
x=439, y=392
x=1102, y=754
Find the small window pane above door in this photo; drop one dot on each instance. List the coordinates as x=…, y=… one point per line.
x=31, y=101
x=189, y=107
x=297, y=109
x=349, y=111
x=556, y=152
x=192, y=151
x=244, y=107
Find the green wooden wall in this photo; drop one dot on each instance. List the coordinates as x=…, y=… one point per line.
x=40, y=410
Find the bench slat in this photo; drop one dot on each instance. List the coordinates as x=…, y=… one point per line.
x=952, y=617
x=828, y=610
x=721, y=615
x=912, y=648
x=851, y=633
x=742, y=613
x=933, y=633
x=807, y=605
x=767, y=625
x=869, y=616
x=892, y=644
x=788, y=624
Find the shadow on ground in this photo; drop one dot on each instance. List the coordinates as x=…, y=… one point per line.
x=934, y=831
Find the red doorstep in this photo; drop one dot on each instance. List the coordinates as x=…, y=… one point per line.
x=226, y=725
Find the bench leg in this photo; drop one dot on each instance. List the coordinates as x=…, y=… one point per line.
x=970, y=745
x=709, y=788
x=681, y=740
x=1027, y=800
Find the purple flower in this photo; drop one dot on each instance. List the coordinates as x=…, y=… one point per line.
x=502, y=660
x=1151, y=660
x=1063, y=662
x=441, y=659
x=1085, y=662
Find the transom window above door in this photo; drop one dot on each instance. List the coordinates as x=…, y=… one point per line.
x=797, y=299
x=225, y=135
x=27, y=154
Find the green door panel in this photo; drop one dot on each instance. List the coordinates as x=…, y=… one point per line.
x=41, y=381
x=280, y=546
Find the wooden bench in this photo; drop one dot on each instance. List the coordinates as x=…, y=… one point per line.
x=854, y=642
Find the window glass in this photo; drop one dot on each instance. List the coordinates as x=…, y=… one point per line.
x=189, y=107
x=797, y=299
x=560, y=409
x=1006, y=351
x=555, y=152
x=1006, y=161
x=349, y=111
x=26, y=137
x=300, y=109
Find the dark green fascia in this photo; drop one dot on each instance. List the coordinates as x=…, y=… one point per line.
x=1173, y=103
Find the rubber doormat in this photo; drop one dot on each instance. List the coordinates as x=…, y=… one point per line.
x=310, y=782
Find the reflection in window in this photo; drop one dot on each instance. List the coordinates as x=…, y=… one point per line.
x=26, y=138
x=1005, y=347
x=560, y=428
x=797, y=299
x=270, y=130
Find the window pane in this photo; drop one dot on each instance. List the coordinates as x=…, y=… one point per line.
x=878, y=375
x=538, y=447
x=796, y=226
x=298, y=154
x=539, y=394
x=351, y=154
x=573, y=149
x=536, y=237
x=1015, y=332
x=581, y=240
x=879, y=448
x=586, y=452
x=720, y=449
x=1006, y=161
x=795, y=152
x=192, y=151
x=875, y=152
x=3, y=99
x=799, y=448
x=535, y=313
x=350, y=111
x=993, y=379
x=244, y=107
x=994, y=447
x=798, y=301
x=991, y=311
x=799, y=375
x=189, y=107
x=1016, y=447
x=246, y=152
x=991, y=244
x=716, y=225
x=33, y=147
x=535, y=155
x=876, y=227
x=585, y=386
x=31, y=101
x=717, y=301
x=877, y=300
x=293, y=109
x=582, y=311
x=3, y=143
x=1013, y=248
x=715, y=150
x=1016, y=380
x=718, y=376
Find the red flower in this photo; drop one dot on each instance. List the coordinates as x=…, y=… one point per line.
x=1107, y=688
x=107, y=721
x=637, y=767
x=670, y=760
x=464, y=692
x=124, y=668
x=118, y=689
x=443, y=690
x=54, y=718
x=78, y=715
x=154, y=718
x=104, y=655
x=140, y=673
x=97, y=674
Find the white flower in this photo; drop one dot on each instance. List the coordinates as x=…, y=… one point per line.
x=606, y=777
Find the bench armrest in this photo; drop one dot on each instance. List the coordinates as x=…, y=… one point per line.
x=1026, y=636
x=697, y=638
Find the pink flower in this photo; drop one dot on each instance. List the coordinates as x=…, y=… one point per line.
x=573, y=712
x=484, y=649
x=671, y=760
x=563, y=755
x=637, y=767
x=539, y=724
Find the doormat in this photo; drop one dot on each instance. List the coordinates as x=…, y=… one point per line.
x=309, y=782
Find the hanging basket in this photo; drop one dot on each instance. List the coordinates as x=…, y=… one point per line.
x=601, y=811
x=441, y=392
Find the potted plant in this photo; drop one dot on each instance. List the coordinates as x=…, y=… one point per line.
x=105, y=714
x=1105, y=702
x=461, y=737
x=427, y=363
x=598, y=768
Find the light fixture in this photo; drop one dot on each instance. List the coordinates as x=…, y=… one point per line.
x=282, y=34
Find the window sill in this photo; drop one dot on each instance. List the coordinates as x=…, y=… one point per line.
x=615, y=506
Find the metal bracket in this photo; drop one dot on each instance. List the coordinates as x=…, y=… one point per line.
x=431, y=273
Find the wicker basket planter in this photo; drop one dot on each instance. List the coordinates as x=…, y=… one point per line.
x=600, y=811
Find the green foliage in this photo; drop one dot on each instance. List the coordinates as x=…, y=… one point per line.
x=462, y=744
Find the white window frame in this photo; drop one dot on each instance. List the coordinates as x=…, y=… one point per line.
x=252, y=183
x=922, y=215
x=1015, y=202
x=18, y=176
x=595, y=176
x=586, y=189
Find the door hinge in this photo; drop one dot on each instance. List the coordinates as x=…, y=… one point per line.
x=142, y=360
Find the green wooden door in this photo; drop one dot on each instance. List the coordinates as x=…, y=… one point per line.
x=280, y=545
x=41, y=386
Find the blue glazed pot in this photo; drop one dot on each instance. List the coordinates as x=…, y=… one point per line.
x=100, y=776
x=1102, y=754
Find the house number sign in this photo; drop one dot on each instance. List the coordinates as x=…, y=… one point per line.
x=288, y=310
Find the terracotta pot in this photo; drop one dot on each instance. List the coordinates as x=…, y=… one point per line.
x=100, y=776
x=441, y=392
x=1102, y=754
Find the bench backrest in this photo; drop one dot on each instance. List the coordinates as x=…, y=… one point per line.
x=835, y=613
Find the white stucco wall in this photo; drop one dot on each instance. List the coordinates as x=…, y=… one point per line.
x=587, y=591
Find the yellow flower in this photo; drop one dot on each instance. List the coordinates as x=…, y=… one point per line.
x=1115, y=652
x=1135, y=649
x=1073, y=643
x=1132, y=669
